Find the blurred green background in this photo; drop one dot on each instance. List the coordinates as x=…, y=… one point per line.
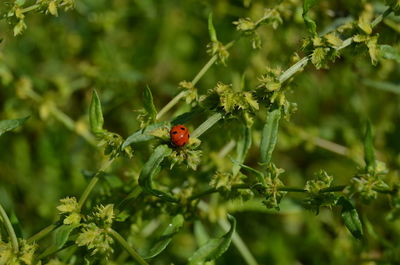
x=118, y=47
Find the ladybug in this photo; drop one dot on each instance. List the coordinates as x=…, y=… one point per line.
x=179, y=135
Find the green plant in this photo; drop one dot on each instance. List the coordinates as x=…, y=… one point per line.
x=147, y=193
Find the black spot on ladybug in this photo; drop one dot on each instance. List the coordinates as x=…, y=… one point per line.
x=174, y=132
x=182, y=128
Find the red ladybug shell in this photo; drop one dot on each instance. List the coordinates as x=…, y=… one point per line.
x=179, y=135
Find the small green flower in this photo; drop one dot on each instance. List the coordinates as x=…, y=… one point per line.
x=112, y=143
x=70, y=209
x=191, y=91
x=217, y=48
x=95, y=239
x=105, y=214
x=322, y=180
x=366, y=185
x=23, y=257
x=225, y=180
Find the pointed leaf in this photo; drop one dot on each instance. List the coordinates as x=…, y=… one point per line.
x=269, y=135
x=96, y=114
x=242, y=147
x=163, y=241
x=369, y=153
x=215, y=247
x=211, y=29
x=149, y=104
x=151, y=168
x=351, y=218
x=8, y=125
x=62, y=233
x=311, y=26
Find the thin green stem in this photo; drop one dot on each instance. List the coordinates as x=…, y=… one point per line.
x=87, y=191
x=92, y=184
x=204, y=69
x=214, y=190
x=333, y=189
x=292, y=189
x=42, y=233
x=202, y=194
x=10, y=229
x=208, y=65
x=196, y=79
x=171, y=104
x=126, y=246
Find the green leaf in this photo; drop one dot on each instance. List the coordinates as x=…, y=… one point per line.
x=215, y=247
x=8, y=125
x=311, y=26
x=149, y=104
x=151, y=168
x=369, y=153
x=166, y=237
x=211, y=29
x=96, y=114
x=350, y=217
x=242, y=147
x=389, y=52
x=62, y=233
x=269, y=135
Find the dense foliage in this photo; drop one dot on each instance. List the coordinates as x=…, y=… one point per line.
x=293, y=113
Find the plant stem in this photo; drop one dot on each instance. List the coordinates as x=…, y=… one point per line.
x=42, y=233
x=201, y=194
x=92, y=184
x=333, y=189
x=204, y=69
x=87, y=191
x=10, y=229
x=170, y=104
x=292, y=189
x=196, y=79
x=128, y=248
x=214, y=190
